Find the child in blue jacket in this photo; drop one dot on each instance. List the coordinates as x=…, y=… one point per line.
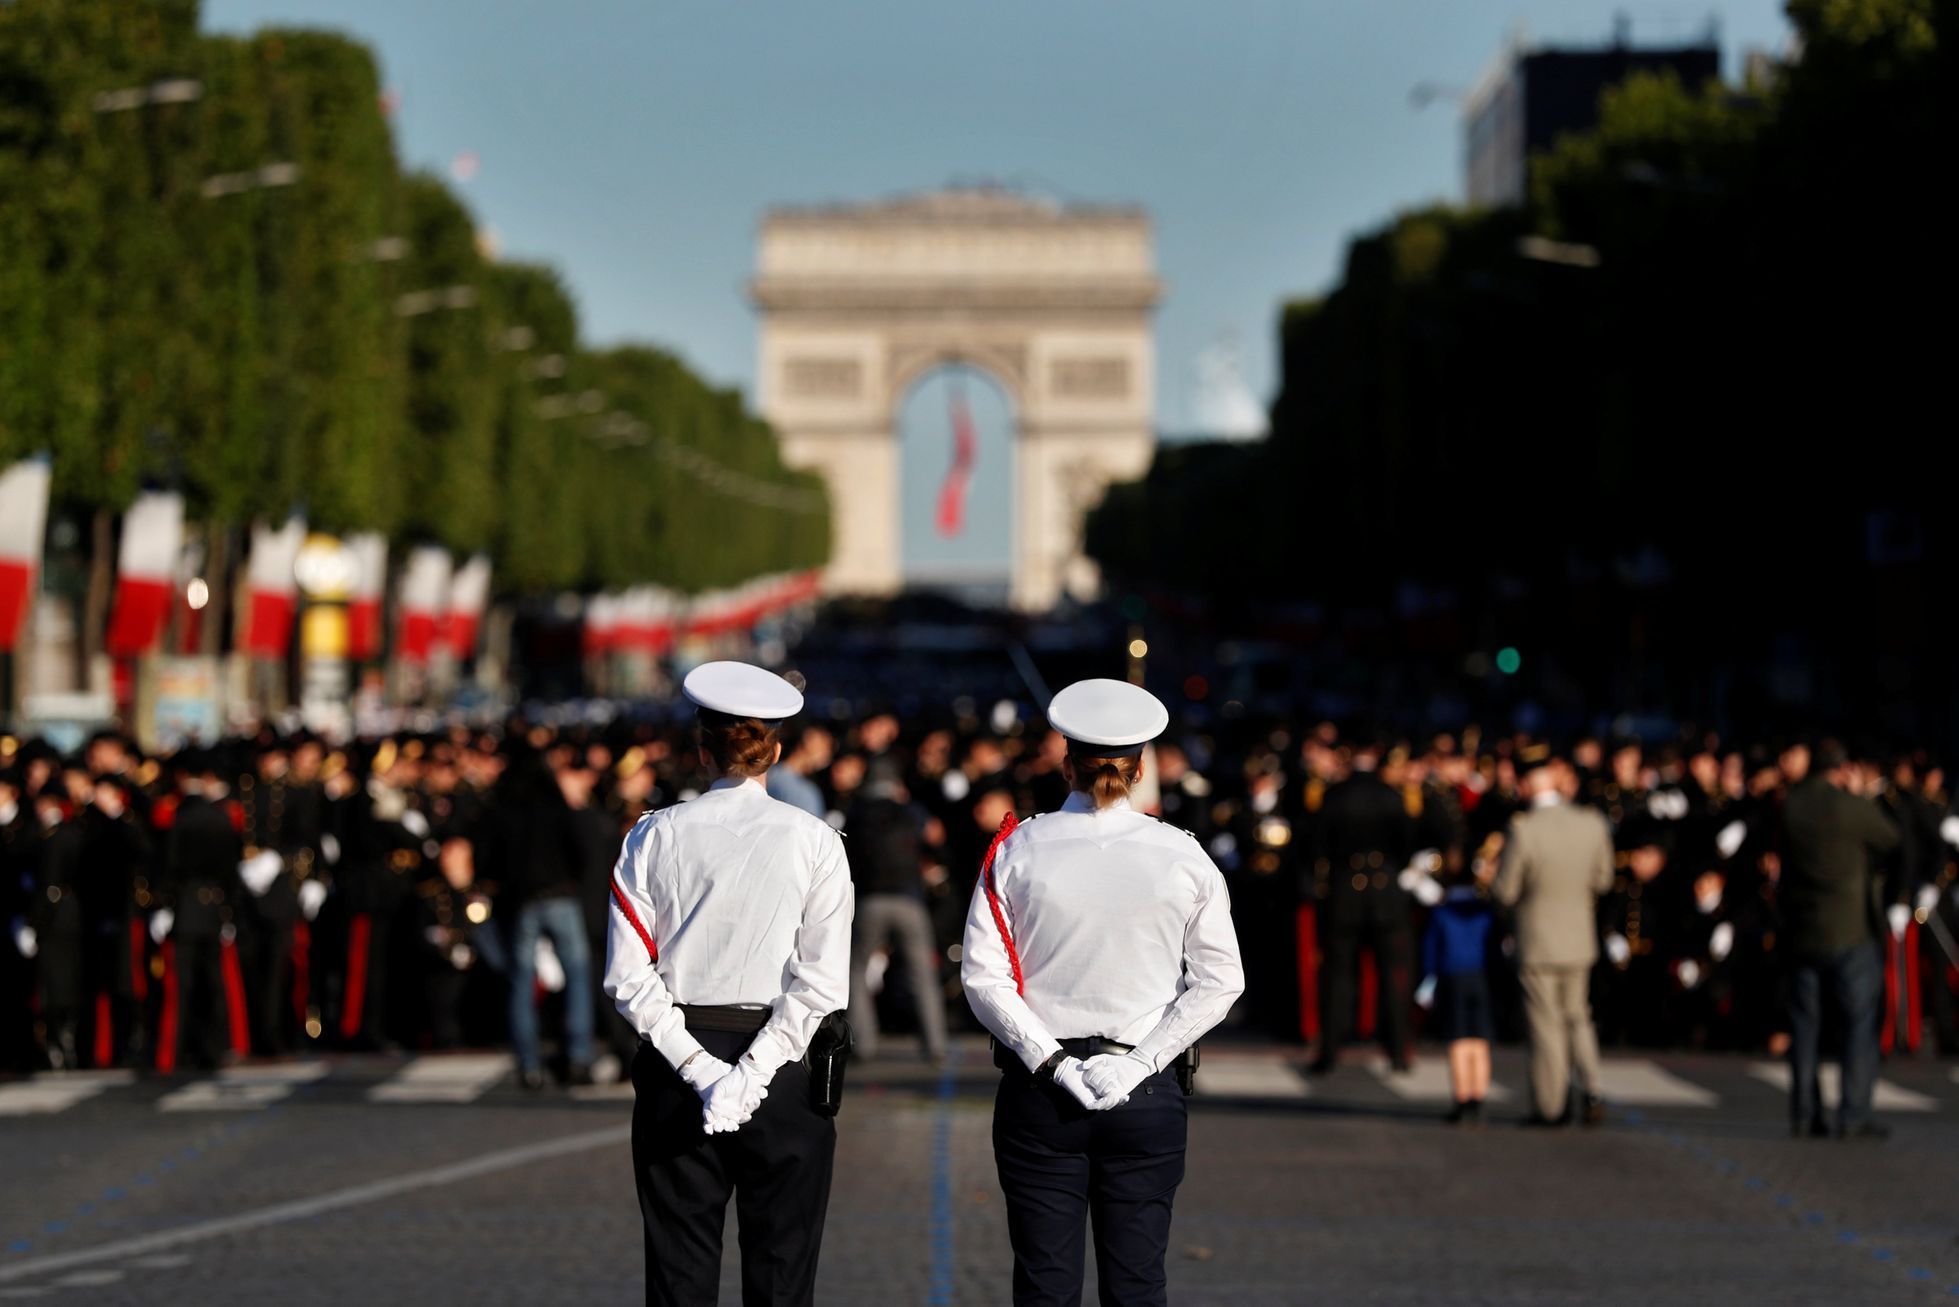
x=1455, y=960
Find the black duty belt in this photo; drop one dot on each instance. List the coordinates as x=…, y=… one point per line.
x=726, y=1018
x=1090, y=1046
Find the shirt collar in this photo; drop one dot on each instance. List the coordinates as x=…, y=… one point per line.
x=1547, y=799
x=736, y=782
x=1079, y=801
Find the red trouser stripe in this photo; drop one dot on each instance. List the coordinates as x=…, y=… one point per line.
x=1307, y=924
x=355, y=995
x=234, y=999
x=166, y=1022
x=302, y=970
x=105, y=1034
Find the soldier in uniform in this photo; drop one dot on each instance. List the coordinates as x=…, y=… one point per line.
x=282, y=817
x=730, y=950
x=56, y=918
x=1098, y=948
x=1365, y=839
x=116, y=855
x=202, y=897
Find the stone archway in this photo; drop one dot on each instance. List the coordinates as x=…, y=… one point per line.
x=859, y=301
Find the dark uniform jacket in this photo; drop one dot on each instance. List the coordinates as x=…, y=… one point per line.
x=1365, y=838
x=201, y=868
x=1831, y=841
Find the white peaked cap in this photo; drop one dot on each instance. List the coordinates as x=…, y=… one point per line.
x=1112, y=716
x=742, y=690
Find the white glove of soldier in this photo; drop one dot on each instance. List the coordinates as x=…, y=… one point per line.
x=732, y=1100
x=1114, y=1078
x=1689, y=972
x=312, y=897
x=1949, y=831
x=260, y=870
x=1928, y=898
x=1721, y=941
x=1899, y=916
x=160, y=923
x=1618, y=950
x=26, y=943
x=1068, y=1074
x=1425, y=993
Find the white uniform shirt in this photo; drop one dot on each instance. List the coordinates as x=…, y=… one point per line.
x=1124, y=931
x=747, y=901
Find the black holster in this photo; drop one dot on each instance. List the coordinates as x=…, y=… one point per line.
x=829, y=1054
x=1186, y=1068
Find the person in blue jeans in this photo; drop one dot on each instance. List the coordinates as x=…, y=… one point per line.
x=532, y=849
x=1456, y=989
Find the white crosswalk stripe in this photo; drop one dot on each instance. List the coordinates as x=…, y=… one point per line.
x=1636, y=1082
x=58, y=1091
x=1427, y=1082
x=243, y=1088
x=448, y=1078
x=1887, y=1097
x=1248, y=1078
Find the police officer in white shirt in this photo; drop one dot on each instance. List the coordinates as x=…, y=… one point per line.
x=729, y=946
x=1098, y=948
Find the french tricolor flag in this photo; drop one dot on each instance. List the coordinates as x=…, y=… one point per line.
x=469, y=596
x=23, y=532
x=424, y=602
x=270, y=588
x=370, y=550
x=146, y=573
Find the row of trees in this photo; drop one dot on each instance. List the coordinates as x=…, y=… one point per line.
x=1738, y=378
x=215, y=277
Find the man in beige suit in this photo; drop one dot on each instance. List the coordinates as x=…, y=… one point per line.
x=1557, y=862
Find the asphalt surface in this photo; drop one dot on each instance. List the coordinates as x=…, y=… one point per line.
x=436, y=1180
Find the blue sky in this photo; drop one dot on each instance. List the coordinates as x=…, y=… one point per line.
x=635, y=143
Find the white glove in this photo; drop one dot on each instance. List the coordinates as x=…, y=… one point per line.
x=1689, y=972
x=732, y=1100
x=1928, y=898
x=1729, y=841
x=312, y=896
x=26, y=943
x=1113, y=1078
x=160, y=923
x=1720, y=941
x=330, y=848
x=1618, y=950
x=1949, y=831
x=259, y=871
x=1899, y=916
x=1425, y=993
x=702, y=1070
x=1068, y=1074
x=415, y=823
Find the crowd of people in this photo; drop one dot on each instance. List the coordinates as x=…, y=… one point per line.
x=430, y=891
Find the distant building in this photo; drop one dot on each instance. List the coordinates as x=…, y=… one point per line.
x=1532, y=96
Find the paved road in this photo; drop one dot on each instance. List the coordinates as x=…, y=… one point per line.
x=435, y=1180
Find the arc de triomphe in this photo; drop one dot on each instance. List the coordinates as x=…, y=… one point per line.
x=858, y=302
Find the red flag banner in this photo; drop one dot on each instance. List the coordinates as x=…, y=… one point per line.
x=23, y=529
x=965, y=449
x=146, y=564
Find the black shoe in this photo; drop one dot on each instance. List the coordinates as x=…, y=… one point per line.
x=1320, y=1066
x=579, y=1073
x=530, y=1079
x=1538, y=1121
x=1401, y=1066
x=1459, y=1114
x=1870, y=1133
x=1594, y=1110
x=1814, y=1130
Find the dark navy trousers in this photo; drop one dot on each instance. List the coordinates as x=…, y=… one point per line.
x=1853, y=984
x=776, y=1168
x=1063, y=1166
